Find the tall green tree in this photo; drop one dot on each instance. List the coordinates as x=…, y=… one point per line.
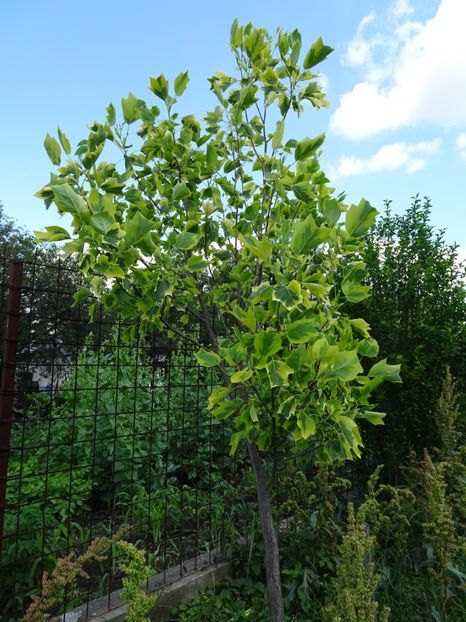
x=50, y=327
x=48, y=285
x=417, y=313
x=13, y=238
x=231, y=223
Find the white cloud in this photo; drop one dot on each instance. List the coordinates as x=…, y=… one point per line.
x=359, y=50
x=323, y=81
x=413, y=73
x=401, y=8
x=400, y=155
x=461, y=144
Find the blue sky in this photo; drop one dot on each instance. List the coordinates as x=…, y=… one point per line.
x=396, y=82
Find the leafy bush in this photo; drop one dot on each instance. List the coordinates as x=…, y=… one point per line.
x=416, y=311
x=238, y=600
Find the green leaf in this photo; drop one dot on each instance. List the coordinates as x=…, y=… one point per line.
x=304, y=191
x=162, y=289
x=264, y=440
x=267, y=343
x=306, y=424
x=234, y=355
x=290, y=296
x=355, y=292
x=207, y=358
x=278, y=372
x=53, y=149
x=81, y=295
x=52, y=234
x=181, y=82
x=373, y=417
x=269, y=76
x=301, y=331
x=196, y=262
x=346, y=366
x=67, y=200
x=146, y=244
x=75, y=246
x=307, y=236
x=261, y=248
x=235, y=440
x=211, y=156
x=319, y=348
x=390, y=373
x=368, y=347
x=136, y=228
x=180, y=191
x=186, y=240
x=331, y=211
x=253, y=414
x=351, y=286
x=128, y=105
x=247, y=96
x=241, y=376
x=307, y=147
x=159, y=86
x=316, y=54
x=236, y=34
x=102, y=222
x=295, y=41
x=226, y=408
x=350, y=432
x=278, y=135
x=112, y=272
x=359, y=218
x=299, y=358
x=247, y=318
x=318, y=289
x=379, y=373
x=283, y=43
x=361, y=326
x=261, y=293
x=218, y=394
x=111, y=114
x=65, y=143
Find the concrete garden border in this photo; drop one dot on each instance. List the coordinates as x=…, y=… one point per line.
x=173, y=589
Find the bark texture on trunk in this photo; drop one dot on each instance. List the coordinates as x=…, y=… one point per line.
x=272, y=557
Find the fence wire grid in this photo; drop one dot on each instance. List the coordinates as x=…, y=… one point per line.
x=97, y=433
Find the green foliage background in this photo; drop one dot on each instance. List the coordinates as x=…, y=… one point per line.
x=417, y=312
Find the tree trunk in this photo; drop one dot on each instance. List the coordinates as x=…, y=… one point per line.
x=272, y=557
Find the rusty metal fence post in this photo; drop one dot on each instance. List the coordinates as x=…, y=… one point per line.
x=7, y=385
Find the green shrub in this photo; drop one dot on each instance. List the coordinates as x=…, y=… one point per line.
x=356, y=577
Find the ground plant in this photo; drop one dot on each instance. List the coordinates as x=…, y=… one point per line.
x=231, y=221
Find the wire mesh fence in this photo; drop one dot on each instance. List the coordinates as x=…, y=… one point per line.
x=98, y=432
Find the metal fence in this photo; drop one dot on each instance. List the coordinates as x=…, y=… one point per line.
x=98, y=432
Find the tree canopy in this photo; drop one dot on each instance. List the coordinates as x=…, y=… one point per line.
x=230, y=222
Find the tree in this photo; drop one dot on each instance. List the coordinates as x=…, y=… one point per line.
x=227, y=224
x=417, y=312
x=14, y=240
x=50, y=328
